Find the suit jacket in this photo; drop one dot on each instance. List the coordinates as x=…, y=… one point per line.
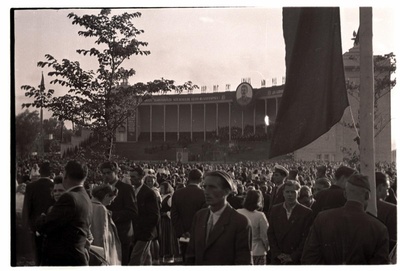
x=288, y=235
x=387, y=214
x=145, y=226
x=67, y=230
x=124, y=211
x=276, y=197
x=37, y=200
x=328, y=199
x=346, y=235
x=185, y=203
x=229, y=243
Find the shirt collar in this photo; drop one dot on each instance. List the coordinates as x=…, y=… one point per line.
x=71, y=188
x=219, y=212
x=138, y=189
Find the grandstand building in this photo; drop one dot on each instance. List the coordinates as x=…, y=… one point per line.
x=174, y=126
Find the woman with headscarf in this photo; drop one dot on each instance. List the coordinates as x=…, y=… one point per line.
x=103, y=229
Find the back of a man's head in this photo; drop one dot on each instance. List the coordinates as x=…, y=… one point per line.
x=76, y=171
x=45, y=169
x=195, y=176
x=358, y=189
x=345, y=172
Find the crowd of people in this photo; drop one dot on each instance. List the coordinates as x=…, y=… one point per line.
x=158, y=213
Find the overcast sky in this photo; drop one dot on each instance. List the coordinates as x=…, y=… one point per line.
x=208, y=46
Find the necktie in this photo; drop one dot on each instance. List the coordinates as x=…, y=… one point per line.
x=210, y=225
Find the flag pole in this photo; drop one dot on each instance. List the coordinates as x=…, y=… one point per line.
x=367, y=144
x=42, y=88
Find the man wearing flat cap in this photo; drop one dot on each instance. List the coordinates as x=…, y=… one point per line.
x=348, y=235
x=278, y=177
x=333, y=197
x=219, y=234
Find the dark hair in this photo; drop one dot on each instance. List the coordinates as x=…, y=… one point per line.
x=292, y=183
x=58, y=179
x=113, y=166
x=167, y=186
x=139, y=170
x=45, y=169
x=76, y=170
x=99, y=192
x=195, y=175
x=344, y=171
x=325, y=182
x=303, y=190
x=380, y=178
x=253, y=200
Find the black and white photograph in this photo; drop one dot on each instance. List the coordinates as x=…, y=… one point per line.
x=192, y=134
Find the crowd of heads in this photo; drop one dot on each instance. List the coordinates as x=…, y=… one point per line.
x=310, y=177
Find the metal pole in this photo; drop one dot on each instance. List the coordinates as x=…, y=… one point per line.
x=367, y=144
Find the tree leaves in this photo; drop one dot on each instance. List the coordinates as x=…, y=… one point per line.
x=98, y=100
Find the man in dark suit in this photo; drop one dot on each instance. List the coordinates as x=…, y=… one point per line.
x=37, y=200
x=348, y=235
x=278, y=178
x=334, y=196
x=387, y=212
x=145, y=226
x=123, y=208
x=219, y=234
x=289, y=223
x=185, y=203
x=66, y=228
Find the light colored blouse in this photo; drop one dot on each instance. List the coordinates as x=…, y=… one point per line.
x=259, y=227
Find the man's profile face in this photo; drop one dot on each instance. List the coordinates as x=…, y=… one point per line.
x=213, y=191
x=277, y=178
x=109, y=175
x=136, y=180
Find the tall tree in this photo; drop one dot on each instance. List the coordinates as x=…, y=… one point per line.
x=27, y=128
x=384, y=67
x=101, y=100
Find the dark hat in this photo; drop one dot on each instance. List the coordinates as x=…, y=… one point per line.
x=360, y=181
x=223, y=175
x=281, y=169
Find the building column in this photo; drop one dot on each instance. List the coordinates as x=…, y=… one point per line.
x=151, y=123
x=229, y=114
x=276, y=103
x=204, y=122
x=216, y=120
x=254, y=120
x=265, y=111
x=178, y=122
x=191, y=122
x=165, y=135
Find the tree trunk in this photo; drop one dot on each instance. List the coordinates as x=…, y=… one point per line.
x=111, y=141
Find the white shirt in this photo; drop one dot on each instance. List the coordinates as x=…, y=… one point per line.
x=288, y=210
x=216, y=215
